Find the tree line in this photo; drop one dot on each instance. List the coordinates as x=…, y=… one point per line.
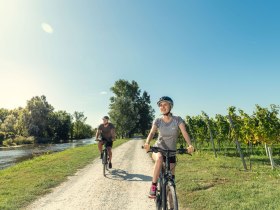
x=38, y=122
x=131, y=112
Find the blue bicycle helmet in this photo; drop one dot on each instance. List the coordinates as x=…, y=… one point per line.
x=167, y=99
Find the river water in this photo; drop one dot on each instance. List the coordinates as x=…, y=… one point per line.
x=11, y=156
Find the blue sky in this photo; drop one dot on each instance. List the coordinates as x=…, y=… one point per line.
x=205, y=54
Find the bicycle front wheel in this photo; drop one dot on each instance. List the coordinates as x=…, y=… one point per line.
x=171, y=197
x=158, y=199
x=104, y=169
x=104, y=161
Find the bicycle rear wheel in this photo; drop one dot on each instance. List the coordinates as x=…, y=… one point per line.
x=171, y=197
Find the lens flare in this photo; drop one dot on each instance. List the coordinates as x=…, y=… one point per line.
x=47, y=28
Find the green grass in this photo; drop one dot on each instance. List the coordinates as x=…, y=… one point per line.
x=206, y=182
x=202, y=181
x=26, y=181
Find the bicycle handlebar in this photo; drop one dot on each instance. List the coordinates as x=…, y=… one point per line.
x=181, y=150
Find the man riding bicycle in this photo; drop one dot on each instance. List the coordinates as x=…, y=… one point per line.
x=107, y=132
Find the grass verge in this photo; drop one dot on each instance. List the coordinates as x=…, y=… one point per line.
x=206, y=182
x=23, y=183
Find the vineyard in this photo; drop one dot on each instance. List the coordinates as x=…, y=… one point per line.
x=239, y=133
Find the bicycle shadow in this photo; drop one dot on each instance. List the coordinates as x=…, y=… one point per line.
x=119, y=174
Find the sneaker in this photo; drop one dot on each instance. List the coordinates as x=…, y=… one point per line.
x=153, y=191
x=110, y=165
x=101, y=155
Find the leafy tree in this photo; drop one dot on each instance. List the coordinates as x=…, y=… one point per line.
x=123, y=88
x=21, y=125
x=128, y=111
x=9, y=124
x=38, y=113
x=3, y=114
x=87, y=131
x=80, y=128
x=146, y=114
x=60, y=125
x=123, y=116
x=79, y=120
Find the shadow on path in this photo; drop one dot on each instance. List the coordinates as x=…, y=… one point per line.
x=119, y=174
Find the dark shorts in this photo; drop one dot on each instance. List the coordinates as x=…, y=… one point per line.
x=172, y=159
x=108, y=143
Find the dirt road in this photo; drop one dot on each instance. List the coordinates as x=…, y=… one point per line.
x=126, y=185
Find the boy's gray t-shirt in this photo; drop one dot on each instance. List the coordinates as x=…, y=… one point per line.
x=168, y=132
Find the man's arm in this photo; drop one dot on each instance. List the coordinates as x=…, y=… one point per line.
x=97, y=134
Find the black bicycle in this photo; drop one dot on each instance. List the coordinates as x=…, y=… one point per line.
x=105, y=158
x=166, y=197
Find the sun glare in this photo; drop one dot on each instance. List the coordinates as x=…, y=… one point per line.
x=47, y=28
x=18, y=86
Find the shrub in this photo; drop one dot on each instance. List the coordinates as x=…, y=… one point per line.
x=23, y=140
x=8, y=142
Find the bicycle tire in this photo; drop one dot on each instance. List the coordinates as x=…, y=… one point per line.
x=171, y=197
x=163, y=196
x=104, y=161
x=158, y=199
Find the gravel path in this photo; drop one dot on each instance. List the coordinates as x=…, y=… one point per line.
x=126, y=185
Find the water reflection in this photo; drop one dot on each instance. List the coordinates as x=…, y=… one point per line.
x=11, y=156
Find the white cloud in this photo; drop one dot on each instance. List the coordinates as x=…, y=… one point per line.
x=47, y=28
x=103, y=93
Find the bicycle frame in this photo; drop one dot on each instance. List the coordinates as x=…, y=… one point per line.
x=166, y=189
x=165, y=179
x=105, y=159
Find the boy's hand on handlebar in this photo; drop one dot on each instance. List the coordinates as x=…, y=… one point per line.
x=190, y=149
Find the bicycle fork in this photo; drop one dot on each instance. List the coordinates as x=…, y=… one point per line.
x=166, y=200
x=160, y=193
x=105, y=156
